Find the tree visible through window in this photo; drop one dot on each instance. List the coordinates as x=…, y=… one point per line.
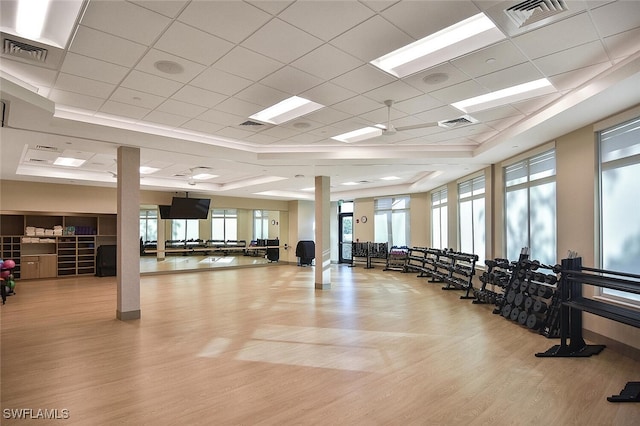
x=471, y=216
x=391, y=221
x=530, y=207
x=619, y=195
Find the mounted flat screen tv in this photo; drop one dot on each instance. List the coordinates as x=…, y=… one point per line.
x=165, y=212
x=189, y=208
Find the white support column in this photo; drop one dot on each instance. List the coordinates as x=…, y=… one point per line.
x=128, y=257
x=323, y=234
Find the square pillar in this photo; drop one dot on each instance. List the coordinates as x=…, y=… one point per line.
x=128, y=252
x=323, y=234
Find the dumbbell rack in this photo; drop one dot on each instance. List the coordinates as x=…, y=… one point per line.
x=498, y=273
x=370, y=252
x=460, y=269
x=530, y=297
x=397, y=258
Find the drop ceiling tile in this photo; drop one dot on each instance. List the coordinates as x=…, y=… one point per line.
x=201, y=47
x=498, y=113
x=417, y=104
x=490, y=59
x=532, y=105
x=190, y=69
x=150, y=83
x=436, y=78
x=422, y=18
x=234, y=132
x=77, y=100
x=623, y=44
x=513, y=76
x=327, y=116
x=230, y=20
x=281, y=41
x=328, y=94
x=239, y=107
x=327, y=62
x=325, y=20
x=124, y=110
x=279, y=132
x=262, y=139
x=445, y=112
x=364, y=78
x=581, y=56
x=202, y=126
x=555, y=37
x=169, y=8
x=272, y=7
x=181, y=108
x=84, y=86
x=262, y=95
x=291, y=80
x=372, y=39
x=616, y=17
x=108, y=48
x=396, y=91
x=220, y=82
x=98, y=70
x=357, y=105
x=573, y=79
x=125, y=20
x=457, y=92
x=248, y=64
x=222, y=118
x=198, y=96
x=305, y=138
x=164, y=118
x=136, y=98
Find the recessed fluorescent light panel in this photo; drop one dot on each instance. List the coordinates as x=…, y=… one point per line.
x=69, y=162
x=459, y=39
x=144, y=170
x=350, y=183
x=286, y=110
x=390, y=178
x=359, y=135
x=30, y=18
x=204, y=176
x=506, y=96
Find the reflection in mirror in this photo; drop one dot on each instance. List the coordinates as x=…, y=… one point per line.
x=227, y=238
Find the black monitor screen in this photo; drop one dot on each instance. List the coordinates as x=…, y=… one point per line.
x=190, y=208
x=165, y=212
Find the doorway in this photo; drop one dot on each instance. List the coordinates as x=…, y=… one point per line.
x=345, y=239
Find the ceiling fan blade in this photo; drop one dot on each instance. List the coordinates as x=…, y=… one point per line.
x=416, y=126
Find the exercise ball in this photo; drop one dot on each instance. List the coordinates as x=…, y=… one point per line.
x=11, y=284
x=5, y=274
x=9, y=264
x=1, y=263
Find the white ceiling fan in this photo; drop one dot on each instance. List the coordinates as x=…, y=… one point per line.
x=390, y=129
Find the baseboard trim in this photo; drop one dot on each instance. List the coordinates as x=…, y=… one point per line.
x=622, y=348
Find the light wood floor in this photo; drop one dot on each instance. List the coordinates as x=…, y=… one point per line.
x=261, y=346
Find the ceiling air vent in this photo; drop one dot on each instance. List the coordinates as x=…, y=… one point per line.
x=458, y=122
x=46, y=148
x=37, y=160
x=24, y=51
x=530, y=11
x=251, y=123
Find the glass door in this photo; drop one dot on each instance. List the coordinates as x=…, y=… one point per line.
x=345, y=221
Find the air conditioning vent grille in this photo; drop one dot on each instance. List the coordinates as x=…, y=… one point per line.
x=530, y=11
x=24, y=51
x=46, y=148
x=458, y=122
x=251, y=123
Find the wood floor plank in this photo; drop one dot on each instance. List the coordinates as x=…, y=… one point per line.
x=261, y=346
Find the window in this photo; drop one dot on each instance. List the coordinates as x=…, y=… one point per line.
x=472, y=217
x=619, y=194
x=530, y=207
x=391, y=221
x=260, y=224
x=439, y=223
x=149, y=225
x=224, y=224
x=185, y=229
